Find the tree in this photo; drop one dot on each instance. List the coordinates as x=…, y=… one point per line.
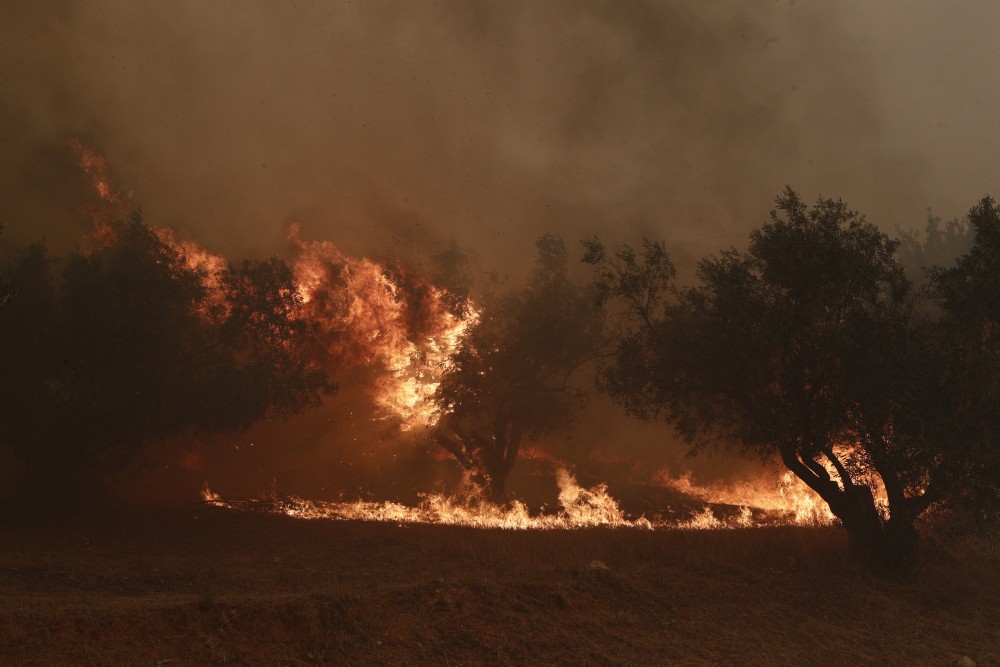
x=511, y=377
x=111, y=353
x=804, y=347
x=965, y=356
x=940, y=245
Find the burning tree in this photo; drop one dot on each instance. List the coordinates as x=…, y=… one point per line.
x=117, y=349
x=510, y=379
x=807, y=346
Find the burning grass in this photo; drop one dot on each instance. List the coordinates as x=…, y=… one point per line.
x=719, y=507
x=206, y=586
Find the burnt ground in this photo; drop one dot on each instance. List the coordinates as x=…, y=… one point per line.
x=205, y=586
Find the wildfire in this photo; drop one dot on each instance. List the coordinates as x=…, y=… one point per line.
x=115, y=205
x=368, y=315
x=403, y=330
x=579, y=508
x=371, y=316
x=786, y=495
x=118, y=205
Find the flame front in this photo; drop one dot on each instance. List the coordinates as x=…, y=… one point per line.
x=784, y=504
x=580, y=508
x=400, y=329
x=115, y=205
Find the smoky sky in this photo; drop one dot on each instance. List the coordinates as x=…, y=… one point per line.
x=376, y=123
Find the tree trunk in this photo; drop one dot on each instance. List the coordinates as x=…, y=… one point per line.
x=499, y=460
x=51, y=483
x=495, y=473
x=496, y=486
x=886, y=548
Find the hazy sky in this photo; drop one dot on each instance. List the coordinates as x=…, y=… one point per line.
x=394, y=127
x=387, y=124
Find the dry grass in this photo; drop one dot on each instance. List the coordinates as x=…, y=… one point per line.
x=209, y=587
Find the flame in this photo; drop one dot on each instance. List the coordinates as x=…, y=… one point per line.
x=707, y=520
x=370, y=317
x=115, y=204
x=579, y=508
x=374, y=316
x=787, y=495
x=118, y=205
x=209, y=496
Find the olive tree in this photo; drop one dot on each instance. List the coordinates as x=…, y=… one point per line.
x=805, y=347
x=511, y=378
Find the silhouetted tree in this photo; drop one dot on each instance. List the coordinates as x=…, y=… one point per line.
x=959, y=414
x=940, y=244
x=510, y=380
x=804, y=347
x=110, y=353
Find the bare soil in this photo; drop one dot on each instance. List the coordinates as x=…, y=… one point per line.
x=204, y=586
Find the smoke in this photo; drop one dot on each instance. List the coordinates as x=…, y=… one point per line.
x=392, y=129
x=488, y=122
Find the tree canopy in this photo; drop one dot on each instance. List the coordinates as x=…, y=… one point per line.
x=108, y=353
x=807, y=346
x=511, y=378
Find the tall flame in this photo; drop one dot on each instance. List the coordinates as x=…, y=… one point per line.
x=370, y=317
x=115, y=204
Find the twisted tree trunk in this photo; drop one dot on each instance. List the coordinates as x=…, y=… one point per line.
x=884, y=546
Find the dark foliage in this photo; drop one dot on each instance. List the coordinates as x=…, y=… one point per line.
x=808, y=347
x=110, y=353
x=511, y=378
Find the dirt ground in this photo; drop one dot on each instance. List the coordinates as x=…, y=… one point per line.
x=205, y=586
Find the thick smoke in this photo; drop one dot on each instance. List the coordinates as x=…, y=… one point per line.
x=392, y=129
x=488, y=122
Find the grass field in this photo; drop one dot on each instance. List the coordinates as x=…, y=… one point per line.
x=204, y=586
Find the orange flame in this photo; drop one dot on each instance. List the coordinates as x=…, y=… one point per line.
x=786, y=495
x=580, y=508
x=115, y=205
x=367, y=319
x=402, y=326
